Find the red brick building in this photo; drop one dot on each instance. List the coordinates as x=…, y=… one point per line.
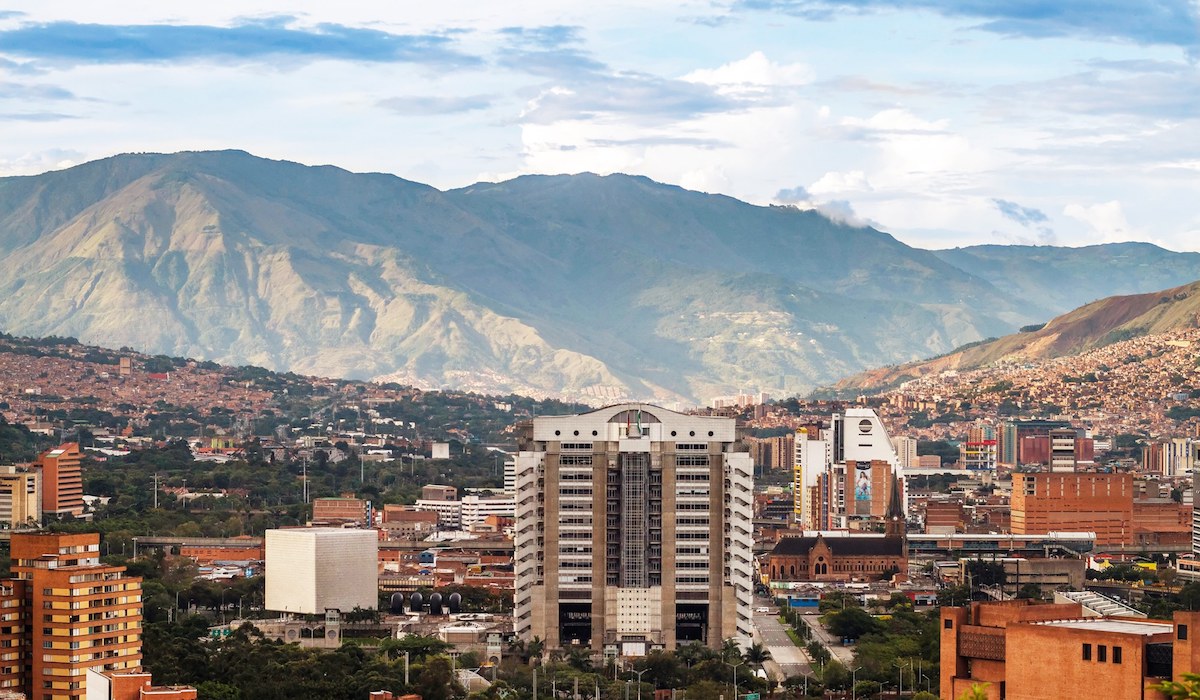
x=1021, y=651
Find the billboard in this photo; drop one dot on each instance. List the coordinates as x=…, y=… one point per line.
x=862, y=483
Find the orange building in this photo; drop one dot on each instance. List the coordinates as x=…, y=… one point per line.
x=80, y=614
x=13, y=629
x=1074, y=502
x=62, y=480
x=1021, y=651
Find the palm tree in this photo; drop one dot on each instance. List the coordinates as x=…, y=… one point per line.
x=757, y=655
x=730, y=651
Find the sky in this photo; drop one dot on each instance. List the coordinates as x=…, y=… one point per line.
x=943, y=122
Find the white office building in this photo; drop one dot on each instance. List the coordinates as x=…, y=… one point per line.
x=633, y=531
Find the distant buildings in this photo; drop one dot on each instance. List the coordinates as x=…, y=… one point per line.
x=313, y=570
x=633, y=531
x=454, y=513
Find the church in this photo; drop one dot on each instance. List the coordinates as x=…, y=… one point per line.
x=841, y=556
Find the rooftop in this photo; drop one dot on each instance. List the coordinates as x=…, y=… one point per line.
x=1107, y=624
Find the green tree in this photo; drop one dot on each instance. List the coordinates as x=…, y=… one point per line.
x=978, y=691
x=852, y=623
x=1186, y=689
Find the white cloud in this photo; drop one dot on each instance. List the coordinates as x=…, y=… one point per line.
x=753, y=76
x=1106, y=219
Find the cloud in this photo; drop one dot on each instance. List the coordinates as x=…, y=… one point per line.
x=1028, y=217
x=247, y=41
x=793, y=195
x=544, y=37
x=639, y=96
x=752, y=77
x=1154, y=22
x=1106, y=219
x=34, y=117
x=20, y=91
x=425, y=105
x=1160, y=93
x=664, y=140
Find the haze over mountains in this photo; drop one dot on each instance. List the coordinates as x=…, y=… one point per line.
x=576, y=286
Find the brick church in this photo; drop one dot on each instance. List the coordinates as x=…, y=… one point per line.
x=844, y=556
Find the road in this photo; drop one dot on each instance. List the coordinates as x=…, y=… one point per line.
x=841, y=653
x=786, y=658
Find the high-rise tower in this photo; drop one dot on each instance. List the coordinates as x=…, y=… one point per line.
x=633, y=531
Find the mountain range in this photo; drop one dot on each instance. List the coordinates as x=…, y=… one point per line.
x=579, y=286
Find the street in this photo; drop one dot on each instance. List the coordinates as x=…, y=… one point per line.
x=787, y=658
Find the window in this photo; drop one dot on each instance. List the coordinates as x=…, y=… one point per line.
x=948, y=623
x=1101, y=653
x=1116, y=655
x=1182, y=633
x=1087, y=652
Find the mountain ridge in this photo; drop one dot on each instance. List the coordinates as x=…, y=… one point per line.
x=593, y=287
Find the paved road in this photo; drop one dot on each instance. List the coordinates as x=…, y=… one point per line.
x=841, y=653
x=788, y=659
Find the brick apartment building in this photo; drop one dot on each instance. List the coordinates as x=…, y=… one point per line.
x=62, y=480
x=1018, y=650
x=67, y=613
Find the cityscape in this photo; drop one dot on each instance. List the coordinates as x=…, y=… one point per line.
x=723, y=350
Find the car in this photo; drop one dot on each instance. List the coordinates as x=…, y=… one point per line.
x=762, y=610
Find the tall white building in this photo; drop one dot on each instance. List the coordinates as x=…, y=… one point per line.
x=312, y=570
x=633, y=531
x=856, y=481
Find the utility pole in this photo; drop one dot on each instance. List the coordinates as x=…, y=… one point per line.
x=156, y=491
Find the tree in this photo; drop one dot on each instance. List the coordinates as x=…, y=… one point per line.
x=1186, y=689
x=978, y=691
x=852, y=623
x=435, y=680
x=757, y=655
x=922, y=695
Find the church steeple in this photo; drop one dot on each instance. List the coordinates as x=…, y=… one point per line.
x=894, y=525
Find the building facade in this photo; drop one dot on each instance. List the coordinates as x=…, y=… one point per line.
x=20, y=497
x=1015, y=650
x=633, y=531
x=1046, y=502
x=313, y=570
x=79, y=614
x=62, y=480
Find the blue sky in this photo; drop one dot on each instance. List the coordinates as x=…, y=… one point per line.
x=944, y=122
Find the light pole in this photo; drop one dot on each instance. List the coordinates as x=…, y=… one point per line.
x=900, y=675
x=639, y=675
x=854, y=682
x=733, y=676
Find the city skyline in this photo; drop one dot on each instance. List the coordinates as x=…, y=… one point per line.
x=942, y=123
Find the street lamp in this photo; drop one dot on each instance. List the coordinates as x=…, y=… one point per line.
x=639, y=675
x=733, y=676
x=854, y=682
x=900, y=674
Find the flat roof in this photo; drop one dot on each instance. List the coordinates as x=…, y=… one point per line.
x=1105, y=624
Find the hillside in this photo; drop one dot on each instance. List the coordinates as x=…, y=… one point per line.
x=585, y=287
x=1091, y=326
